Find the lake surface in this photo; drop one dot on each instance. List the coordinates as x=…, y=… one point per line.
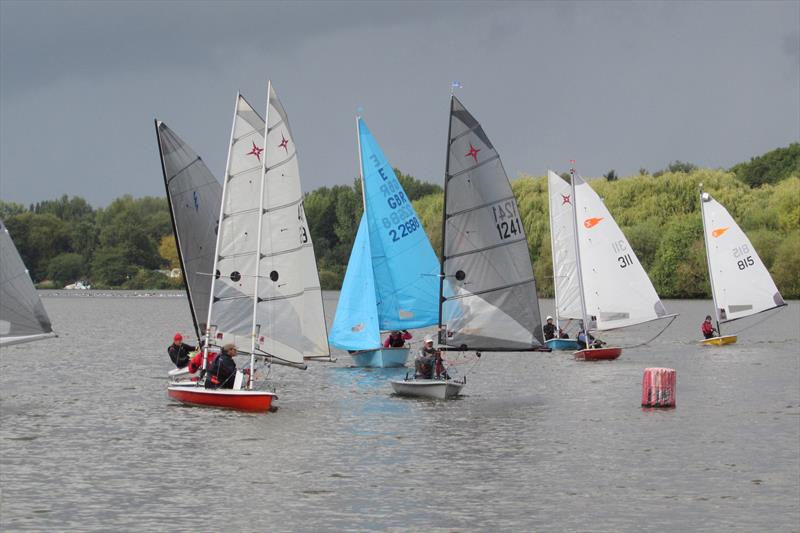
x=90, y=441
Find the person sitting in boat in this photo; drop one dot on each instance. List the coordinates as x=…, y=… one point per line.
x=179, y=351
x=196, y=362
x=708, y=328
x=221, y=372
x=595, y=343
x=397, y=339
x=426, y=360
x=549, y=329
x=562, y=334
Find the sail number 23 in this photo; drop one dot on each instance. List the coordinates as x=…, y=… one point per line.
x=506, y=219
x=744, y=262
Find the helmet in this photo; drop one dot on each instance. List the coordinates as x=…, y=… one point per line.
x=178, y=337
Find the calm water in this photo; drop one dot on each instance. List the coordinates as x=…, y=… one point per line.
x=89, y=439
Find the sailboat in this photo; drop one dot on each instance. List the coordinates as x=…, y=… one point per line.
x=265, y=292
x=488, y=294
x=615, y=291
x=22, y=314
x=194, y=196
x=740, y=283
x=391, y=282
x=565, y=270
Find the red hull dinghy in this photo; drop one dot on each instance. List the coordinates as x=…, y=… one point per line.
x=240, y=400
x=598, y=354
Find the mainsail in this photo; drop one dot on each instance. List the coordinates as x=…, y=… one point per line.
x=194, y=197
x=618, y=292
x=489, y=297
x=393, y=251
x=263, y=274
x=740, y=282
x=22, y=315
x=562, y=241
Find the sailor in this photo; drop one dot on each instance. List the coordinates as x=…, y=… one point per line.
x=708, y=328
x=426, y=360
x=397, y=339
x=179, y=351
x=196, y=362
x=549, y=329
x=595, y=343
x=222, y=371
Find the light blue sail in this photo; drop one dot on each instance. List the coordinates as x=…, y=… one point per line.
x=356, y=324
x=404, y=265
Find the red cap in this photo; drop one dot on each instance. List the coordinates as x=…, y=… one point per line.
x=177, y=337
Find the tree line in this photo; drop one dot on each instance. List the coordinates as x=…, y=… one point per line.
x=129, y=244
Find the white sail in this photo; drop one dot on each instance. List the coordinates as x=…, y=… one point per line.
x=562, y=241
x=740, y=282
x=618, y=292
x=22, y=315
x=287, y=249
x=264, y=248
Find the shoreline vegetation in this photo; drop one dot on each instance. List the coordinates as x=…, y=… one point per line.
x=129, y=244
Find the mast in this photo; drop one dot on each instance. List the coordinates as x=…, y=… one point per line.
x=444, y=214
x=226, y=178
x=175, y=232
x=553, y=253
x=708, y=263
x=254, y=333
x=578, y=256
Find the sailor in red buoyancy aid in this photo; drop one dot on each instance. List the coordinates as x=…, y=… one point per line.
x=708, y=328
x=397, y=339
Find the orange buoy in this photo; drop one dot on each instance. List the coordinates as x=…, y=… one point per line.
x=658, y=387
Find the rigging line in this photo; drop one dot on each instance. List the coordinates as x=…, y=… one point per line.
x=502, y=288
x=766, y=316
x=654, y=338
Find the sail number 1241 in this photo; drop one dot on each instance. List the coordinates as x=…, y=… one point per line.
x=506, y=219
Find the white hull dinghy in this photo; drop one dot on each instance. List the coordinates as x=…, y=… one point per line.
x=487, y=291
x=438, y=389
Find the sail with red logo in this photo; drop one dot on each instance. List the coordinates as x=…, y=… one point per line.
x=615, y=289
x=265, y=294
x=488, y=293
x=741, y=285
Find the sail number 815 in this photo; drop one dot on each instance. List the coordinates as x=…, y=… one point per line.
x=742, y=251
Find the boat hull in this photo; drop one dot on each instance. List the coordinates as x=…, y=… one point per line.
x=719, y=341
x=437, y=389
x=239, y=400
x=598, y=354
x=562, y=344
x=381, y=358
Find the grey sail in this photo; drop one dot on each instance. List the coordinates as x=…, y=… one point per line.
x=194, y=197
x=489, y=297
x=22, y=315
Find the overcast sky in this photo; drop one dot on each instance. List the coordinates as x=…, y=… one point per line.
x=619, y=85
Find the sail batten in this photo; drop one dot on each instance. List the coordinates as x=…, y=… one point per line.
x=488, y=292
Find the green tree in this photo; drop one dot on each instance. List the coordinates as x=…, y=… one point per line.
x=771, y=167
x=66, y=268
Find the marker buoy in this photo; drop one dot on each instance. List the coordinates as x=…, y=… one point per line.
x=658, y=387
